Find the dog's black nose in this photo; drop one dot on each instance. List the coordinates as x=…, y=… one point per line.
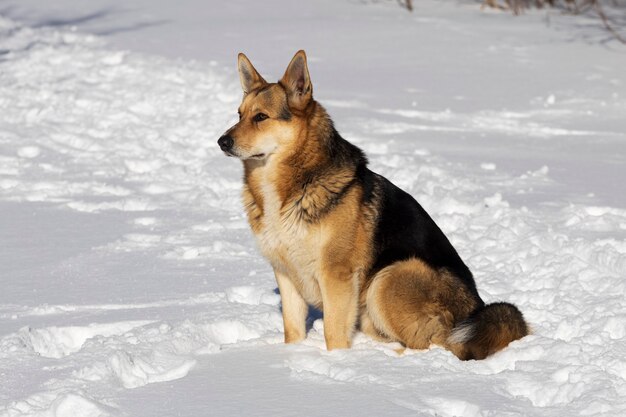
x=226, y=143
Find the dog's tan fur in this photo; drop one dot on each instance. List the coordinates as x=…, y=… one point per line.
x=306, y=211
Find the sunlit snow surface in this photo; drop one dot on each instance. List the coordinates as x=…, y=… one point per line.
x=131, y=285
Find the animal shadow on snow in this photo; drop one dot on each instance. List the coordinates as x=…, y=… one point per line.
x=312, y=315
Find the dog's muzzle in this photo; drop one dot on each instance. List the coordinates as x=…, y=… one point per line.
x=226, y=143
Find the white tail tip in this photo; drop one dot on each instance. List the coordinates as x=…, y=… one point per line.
x=461, y=333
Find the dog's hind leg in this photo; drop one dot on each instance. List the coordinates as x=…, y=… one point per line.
x=367, y=326
x=416, y=304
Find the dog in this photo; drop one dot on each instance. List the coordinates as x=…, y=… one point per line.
x=346, y=240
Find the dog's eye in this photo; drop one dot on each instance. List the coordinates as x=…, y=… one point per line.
x=239, y=113
x=259, y=117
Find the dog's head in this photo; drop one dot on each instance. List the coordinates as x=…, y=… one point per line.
x=270, y=113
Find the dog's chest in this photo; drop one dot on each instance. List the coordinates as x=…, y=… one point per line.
x=282, y=230
x=289, y=243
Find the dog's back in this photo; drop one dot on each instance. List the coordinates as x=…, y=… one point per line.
x=419, y=291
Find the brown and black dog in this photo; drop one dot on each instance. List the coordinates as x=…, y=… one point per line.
x=346, y=240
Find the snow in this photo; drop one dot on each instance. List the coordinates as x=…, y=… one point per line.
x=132, y=285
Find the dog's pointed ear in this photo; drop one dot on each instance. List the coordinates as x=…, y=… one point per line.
x=298, y=82
x=249, y=77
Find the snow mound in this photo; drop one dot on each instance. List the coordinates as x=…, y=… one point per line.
x=56, y=342
x=136, y=371
x=55, y=405
x=252, y=295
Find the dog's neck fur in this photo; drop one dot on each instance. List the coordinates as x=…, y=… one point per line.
x=321, y=166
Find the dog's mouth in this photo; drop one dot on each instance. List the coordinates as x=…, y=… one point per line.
x=234, y=155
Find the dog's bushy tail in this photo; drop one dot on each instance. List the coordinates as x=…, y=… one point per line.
x=488, y=330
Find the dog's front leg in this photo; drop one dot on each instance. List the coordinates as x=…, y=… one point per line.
x=340, y=288
x=295, y=309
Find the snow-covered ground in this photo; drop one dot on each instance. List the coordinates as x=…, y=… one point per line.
x=131, y=285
